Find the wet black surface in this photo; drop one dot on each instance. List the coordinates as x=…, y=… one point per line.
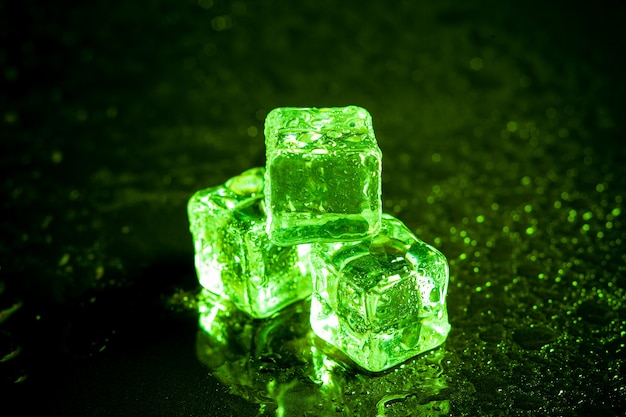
x=501, y=128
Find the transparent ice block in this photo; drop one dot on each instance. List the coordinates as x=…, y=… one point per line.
x=381, y=300
x=323, y=179
x=234, y=257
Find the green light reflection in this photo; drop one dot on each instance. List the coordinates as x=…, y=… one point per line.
x=279, y=364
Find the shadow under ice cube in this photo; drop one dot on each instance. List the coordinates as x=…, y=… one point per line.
x=381, y=300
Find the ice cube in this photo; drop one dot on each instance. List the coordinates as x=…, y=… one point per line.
x=234, y=257
x=323, y=178
x=381, y=300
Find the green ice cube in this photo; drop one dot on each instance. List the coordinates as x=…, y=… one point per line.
x=234, y=257
x=323, y=178
x=381, y=300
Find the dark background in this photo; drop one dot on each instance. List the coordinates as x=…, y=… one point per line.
x=501, y=126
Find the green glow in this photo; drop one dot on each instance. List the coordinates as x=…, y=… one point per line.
x=572, y=215
x=476, y=63
x=381, y=300
x=313, y=218
x=268, y=362
x=323, y=175
x=233, y=255
x=250, y=356
x=218, y=319
x=511, y=126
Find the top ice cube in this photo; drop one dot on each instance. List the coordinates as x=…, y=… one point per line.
x=323, y=175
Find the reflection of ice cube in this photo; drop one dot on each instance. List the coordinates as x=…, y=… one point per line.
x=380, y=300
x=272, y=363
x=323, y=175
x=280, y=366
x=233, y=255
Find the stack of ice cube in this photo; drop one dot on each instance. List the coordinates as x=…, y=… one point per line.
x=310, y=224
